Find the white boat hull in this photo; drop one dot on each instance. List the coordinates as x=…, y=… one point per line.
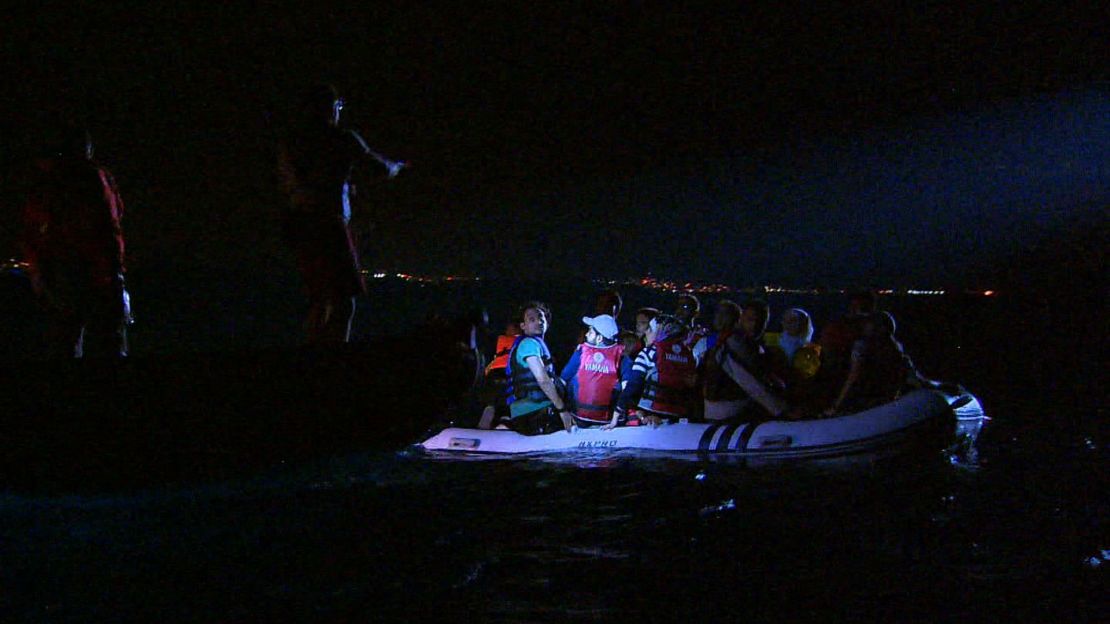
x=882, y=426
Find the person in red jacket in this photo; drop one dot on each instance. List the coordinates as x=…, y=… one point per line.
x=315, y=163
x=73, y=244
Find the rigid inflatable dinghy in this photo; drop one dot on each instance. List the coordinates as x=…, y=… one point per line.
x=926, y=416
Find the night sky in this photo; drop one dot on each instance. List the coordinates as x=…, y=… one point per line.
x=880, y=144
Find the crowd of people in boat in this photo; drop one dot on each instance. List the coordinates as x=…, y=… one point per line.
x=669, y=367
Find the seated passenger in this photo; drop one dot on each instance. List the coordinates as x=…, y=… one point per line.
x=838, y=337
x=465, y=335
x=723, y=398
x=495, y=388
x=505, y=344
x=686, y=311
x=609, y=302
x=595, y=370
x=664, y=376
x=879, y=368
x=737, y=375
x=797, y=331
x=536, y=400
x=796, y=358
x=643, y=318
x=631, y=343
x=727, y=308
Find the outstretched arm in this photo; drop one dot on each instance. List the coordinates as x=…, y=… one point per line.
x=755, y=389
x=392, y=167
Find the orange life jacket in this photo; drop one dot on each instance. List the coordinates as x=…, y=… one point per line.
x=501, y=354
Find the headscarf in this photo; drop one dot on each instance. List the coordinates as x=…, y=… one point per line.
x=791, y=343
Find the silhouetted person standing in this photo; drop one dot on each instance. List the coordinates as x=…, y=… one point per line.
x=315, y=163
x=74, y=245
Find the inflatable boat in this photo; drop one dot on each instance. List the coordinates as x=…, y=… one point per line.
x=929, y=417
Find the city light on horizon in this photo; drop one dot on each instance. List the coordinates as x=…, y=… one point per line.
x=670, y=286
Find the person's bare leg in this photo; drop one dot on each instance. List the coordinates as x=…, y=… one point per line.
x=335, y=324
x=79, y=344
x=488, y=414
x=342, y=315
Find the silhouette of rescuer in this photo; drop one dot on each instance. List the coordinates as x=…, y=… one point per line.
x=315, y=162
x=73, y=243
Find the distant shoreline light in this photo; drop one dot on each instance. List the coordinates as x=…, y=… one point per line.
x=675, y=287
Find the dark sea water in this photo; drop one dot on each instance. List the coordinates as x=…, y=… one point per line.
x=397, y=535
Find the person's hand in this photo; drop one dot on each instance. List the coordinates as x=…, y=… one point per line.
x=395, y=167
x=829, y=412
x=652, y=419
x=612, y=423
x=568, y=421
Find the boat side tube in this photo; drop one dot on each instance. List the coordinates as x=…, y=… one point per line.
x=874, y=428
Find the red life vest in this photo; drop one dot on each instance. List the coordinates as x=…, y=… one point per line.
x=669, y=387
x=598, y=375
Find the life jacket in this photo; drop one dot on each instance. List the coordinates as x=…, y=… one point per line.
x=669, y=386
x=522, y=383
x=717, y=385
x=501, y=352
x=598, y=375
x=807, y=359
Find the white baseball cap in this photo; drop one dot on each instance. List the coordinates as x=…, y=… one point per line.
x=604, y=325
